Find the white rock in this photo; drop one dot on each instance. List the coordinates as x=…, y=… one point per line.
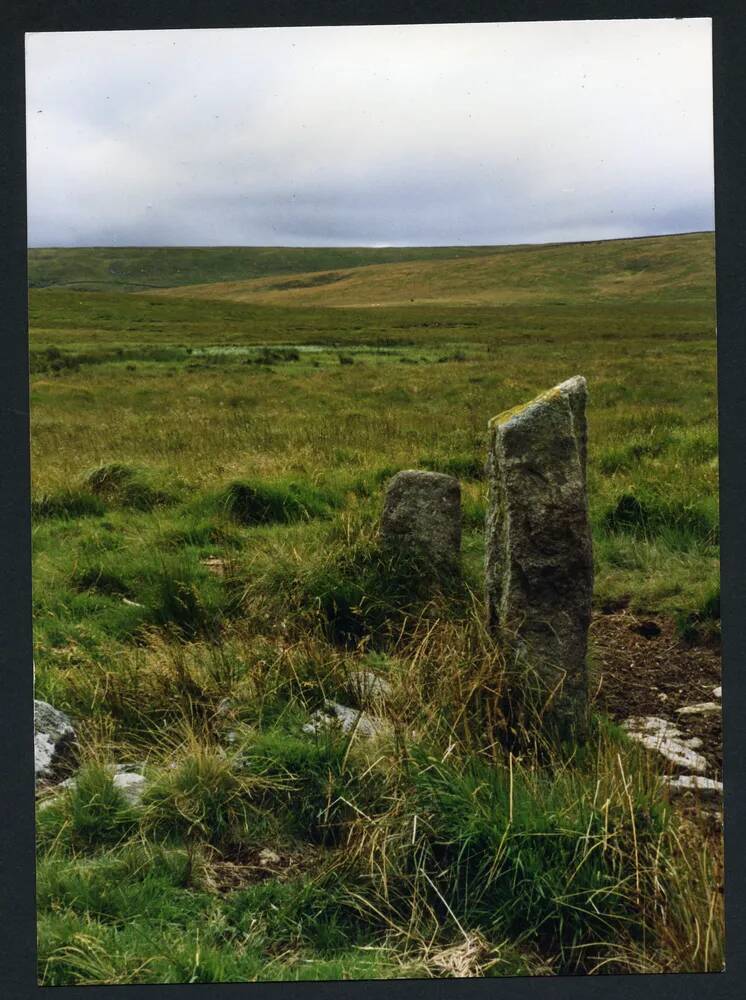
x=651, y=724
x=706, y=787
x=348, y=719
x=131, y=785
x=717, y=692
x=665, y=738
x=268, y=857
x=54, y=741
x=693, y=742
x=701, y=708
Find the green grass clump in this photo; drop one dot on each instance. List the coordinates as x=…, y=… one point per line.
x=203, y=534
x=203, y=798
x=122, y=594
x=532, y=854
x=69, y=503
x=126, y=486
x=93, y=812
x=702, y=624
x=314, y=782
x=273, y=503
x=98, y=579
x=361, y=590
x=650, y=515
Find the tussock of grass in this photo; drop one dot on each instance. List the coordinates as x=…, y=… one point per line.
x=69, y=503
x=703, y=624
x=354, y=589
x=203, y=797
x=315, y=783
x=92, y=813
x=126, y=486
x=201, y=533
x=119, y=596
x=273, y=503
x=648, y=514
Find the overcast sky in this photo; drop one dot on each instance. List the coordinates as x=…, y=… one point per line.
x=341, y=136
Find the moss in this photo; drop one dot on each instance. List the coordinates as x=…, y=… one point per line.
x=514, y=411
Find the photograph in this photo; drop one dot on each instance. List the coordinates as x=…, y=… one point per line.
x=374, y=500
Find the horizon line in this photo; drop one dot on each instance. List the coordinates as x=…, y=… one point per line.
x=357, y=246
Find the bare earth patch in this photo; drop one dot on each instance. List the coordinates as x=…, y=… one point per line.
x=642, y=670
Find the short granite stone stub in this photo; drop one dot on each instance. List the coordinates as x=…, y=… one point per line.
x=539, y=558
x=422, y=517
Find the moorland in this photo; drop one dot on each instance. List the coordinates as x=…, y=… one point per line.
x=212, y=432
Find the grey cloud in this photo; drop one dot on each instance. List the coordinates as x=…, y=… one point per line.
x=409, y=134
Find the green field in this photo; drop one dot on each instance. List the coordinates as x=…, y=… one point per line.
x=208, y=463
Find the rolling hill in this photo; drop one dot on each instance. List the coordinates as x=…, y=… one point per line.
x=665, y=267
x=127, y=269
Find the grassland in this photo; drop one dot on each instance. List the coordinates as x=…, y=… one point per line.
x=141, y=268
x=208, y=465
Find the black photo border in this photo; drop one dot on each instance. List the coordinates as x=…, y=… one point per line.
x=17, y=874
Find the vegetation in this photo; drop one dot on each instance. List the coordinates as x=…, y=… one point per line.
x=208, y=475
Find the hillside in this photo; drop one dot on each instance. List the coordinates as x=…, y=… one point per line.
x=665, y=267
x=140, y=268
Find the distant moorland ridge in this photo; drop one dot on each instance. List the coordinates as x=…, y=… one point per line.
x=679, y=266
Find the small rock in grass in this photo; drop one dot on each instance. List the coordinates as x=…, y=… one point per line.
x=55, y=742
x=702, y=708
x=717, y=692
x=348, y=719
x=706, y=787
x=131, y=785
x=370, y=687
x=268, y=857
x=665, y=738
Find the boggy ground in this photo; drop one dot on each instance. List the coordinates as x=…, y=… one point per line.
x=208, y=478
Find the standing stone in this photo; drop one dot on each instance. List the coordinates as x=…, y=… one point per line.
x=422, y=517
x=539, y=558
x=54, y=742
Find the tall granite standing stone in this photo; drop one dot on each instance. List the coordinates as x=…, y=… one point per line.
x=422, y=518
x=539, y=557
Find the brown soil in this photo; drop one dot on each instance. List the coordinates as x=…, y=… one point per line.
x=246, y=866
x=642, y=667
